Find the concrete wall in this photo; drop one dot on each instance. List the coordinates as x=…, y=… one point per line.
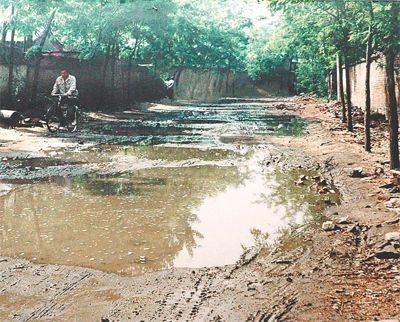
x=211, y=85
x=200, y=85
x=203, y=85
x=379, y=98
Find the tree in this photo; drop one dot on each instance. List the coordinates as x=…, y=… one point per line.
x=323, y=40
x=11, y=63
x=391, y=52
x=341, y=88
x=368, y=61
x=38, y=56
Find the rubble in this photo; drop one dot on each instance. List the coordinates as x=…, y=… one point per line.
x=393, y=203
x=392, y=236
x=379, y=170
x=329, y=226
x=301, y=180
x=5, y=189
x=358, y=126
x=388, y=252
x=392, y=221
x=343, y=221
x=395, y=180
x=356, y=172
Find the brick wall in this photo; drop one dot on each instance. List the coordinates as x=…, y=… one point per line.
x=89, y=74
x=379, y=99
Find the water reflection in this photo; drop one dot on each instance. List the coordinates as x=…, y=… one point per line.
x=296, y=199
x=108, y=222
x=174, y=217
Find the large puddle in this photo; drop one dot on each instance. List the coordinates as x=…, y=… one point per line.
x=154, y=218
x=179, y=197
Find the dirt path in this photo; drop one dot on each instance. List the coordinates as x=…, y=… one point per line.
x=312, y=275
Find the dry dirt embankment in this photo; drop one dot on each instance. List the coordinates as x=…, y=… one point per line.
x=313, y=275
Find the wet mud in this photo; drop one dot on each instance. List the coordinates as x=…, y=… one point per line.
x=183, y=198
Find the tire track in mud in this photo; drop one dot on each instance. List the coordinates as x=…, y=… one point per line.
x=186, y=297
x=56, y=303
x=185, y=303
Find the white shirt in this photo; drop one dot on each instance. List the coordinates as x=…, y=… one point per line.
x=67, y=86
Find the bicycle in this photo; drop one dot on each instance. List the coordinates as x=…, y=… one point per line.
x=61, y=115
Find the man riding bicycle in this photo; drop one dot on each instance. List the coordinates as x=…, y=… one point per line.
x=65, y=86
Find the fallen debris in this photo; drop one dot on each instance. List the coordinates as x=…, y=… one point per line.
x=393, y=203
x=329, y=226
x=356, y=172
x=388, y=252
x=9, y=118
x=392, y=236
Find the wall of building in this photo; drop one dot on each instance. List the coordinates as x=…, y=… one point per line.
x=211, y=85
x=379, y=98
x=94, y=93
x=19, y=80
x=203, y=85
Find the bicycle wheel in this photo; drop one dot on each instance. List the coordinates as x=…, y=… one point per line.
x=72, y=118
x=53, y=119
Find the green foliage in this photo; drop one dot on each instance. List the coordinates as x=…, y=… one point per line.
x=215, y=34
x=317, y=30
x=311, y=77
x=265, y=54
x=164, y=33
x=31, y=52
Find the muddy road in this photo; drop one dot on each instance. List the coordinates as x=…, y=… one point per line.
x=203, y=212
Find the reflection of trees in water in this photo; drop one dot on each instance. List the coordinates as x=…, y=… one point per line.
x=296, y=199
x=146, y=212
x=260, y=238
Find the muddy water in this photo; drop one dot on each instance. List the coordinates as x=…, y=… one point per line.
x=201, y=125
x=174, y=192
x=154, y=218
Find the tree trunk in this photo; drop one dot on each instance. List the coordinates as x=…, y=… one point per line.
x=132, y=57
x=341, y=89
x=391, y=86
x=368, y=61
x=38, y=58
x=114, y=54
x=393, y=117
x=348, y=83
x=11, y=65
x=343, y=47
x=27, y=43
x=104, y=78
x=129, y=80
x=4, y=32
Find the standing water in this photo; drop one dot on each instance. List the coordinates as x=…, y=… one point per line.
x=153, y=207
